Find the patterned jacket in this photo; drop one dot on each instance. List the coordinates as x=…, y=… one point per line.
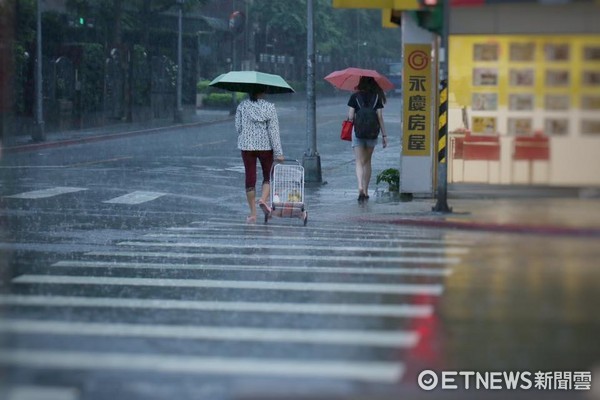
x=258, y=127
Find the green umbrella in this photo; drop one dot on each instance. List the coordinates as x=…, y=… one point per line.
x=249, y=81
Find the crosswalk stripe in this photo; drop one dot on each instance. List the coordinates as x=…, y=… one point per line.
x=29, y=392
x=327, y=233
x=365, y=310
x=442, y=272
x=335, y=229
x=136, y=197
x=416, y=289
x=388, y=372
x=262, y=257
x=374, y=338
x=273, y=231
x=43, y=193
x=338, y=239
x=328, y=248
x=355, y=228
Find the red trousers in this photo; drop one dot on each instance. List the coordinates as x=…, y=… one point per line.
x=265, y=157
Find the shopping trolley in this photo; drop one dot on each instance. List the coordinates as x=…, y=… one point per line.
x=287, y=191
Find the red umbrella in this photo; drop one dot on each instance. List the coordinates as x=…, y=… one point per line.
x=348, y=78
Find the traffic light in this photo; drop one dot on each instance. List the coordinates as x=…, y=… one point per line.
x=81, y=21
x=431, y=15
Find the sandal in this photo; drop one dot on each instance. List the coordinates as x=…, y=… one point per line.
x=251, y=219
x=263, y=206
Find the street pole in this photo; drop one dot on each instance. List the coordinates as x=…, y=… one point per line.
x=179, y=110
x=442, y=176
x=232, y=30
x=39, y=134
x=311, y=160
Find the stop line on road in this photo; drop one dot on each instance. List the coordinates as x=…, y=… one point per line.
x=402, y=265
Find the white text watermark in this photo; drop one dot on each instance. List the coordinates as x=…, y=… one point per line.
x=505, y=380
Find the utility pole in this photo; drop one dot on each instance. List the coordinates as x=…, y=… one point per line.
x=178, y=118
x=442, y=175
x=39, y=134
x=311, y=160
x=233, y=31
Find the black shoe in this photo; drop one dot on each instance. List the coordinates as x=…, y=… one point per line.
x=361, y=197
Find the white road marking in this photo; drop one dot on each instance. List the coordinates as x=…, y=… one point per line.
x=366, y=310
x=335, y=229
x=409, y=288
x=239, y=169
x=39, y=393
x=338, y=239
x=389, y=372
x=136, y=197
x=207, y=144
x=329, y=231
x=328, y=248
x=43, y=193
x=219, y=267
x=354, y=227
x=261, y=257
x=374, y=338
x=31, y=166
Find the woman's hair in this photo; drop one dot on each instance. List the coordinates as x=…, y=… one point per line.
x=256, y=91
x=369, y=85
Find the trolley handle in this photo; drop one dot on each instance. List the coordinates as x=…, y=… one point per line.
x=286, y=161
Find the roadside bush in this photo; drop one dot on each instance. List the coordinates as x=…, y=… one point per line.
x=391, y=176
x=298, y=86
x=202, y=87
x=222, y=100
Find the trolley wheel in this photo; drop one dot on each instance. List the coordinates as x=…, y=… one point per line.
x=305, y=217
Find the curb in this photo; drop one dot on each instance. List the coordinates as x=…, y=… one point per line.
x=100, y=137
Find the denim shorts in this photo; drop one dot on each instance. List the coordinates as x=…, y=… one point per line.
x=356, y=142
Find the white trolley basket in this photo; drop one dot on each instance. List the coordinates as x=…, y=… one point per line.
x=287, y=191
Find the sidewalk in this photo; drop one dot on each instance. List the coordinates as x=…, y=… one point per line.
x=528, y=211
x=23, y=143
x=502, y=208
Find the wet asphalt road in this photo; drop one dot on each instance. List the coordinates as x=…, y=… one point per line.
x=133, y=276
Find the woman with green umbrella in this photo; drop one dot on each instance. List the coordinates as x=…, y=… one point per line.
x=257, y=126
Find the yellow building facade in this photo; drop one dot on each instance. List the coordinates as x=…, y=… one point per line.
x=521, y=85
x=521, y=73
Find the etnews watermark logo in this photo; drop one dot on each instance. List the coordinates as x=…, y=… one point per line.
x=511, y=380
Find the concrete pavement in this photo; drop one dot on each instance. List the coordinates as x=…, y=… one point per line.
x=500, y=208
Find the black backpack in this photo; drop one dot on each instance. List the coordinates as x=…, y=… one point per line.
x=366, y=122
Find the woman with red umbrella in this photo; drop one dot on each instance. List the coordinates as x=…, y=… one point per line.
x=368, y=95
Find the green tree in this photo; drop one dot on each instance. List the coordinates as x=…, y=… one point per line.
x=338, y=32
x=282, y=24
x=363, y=36
x=112, y=17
